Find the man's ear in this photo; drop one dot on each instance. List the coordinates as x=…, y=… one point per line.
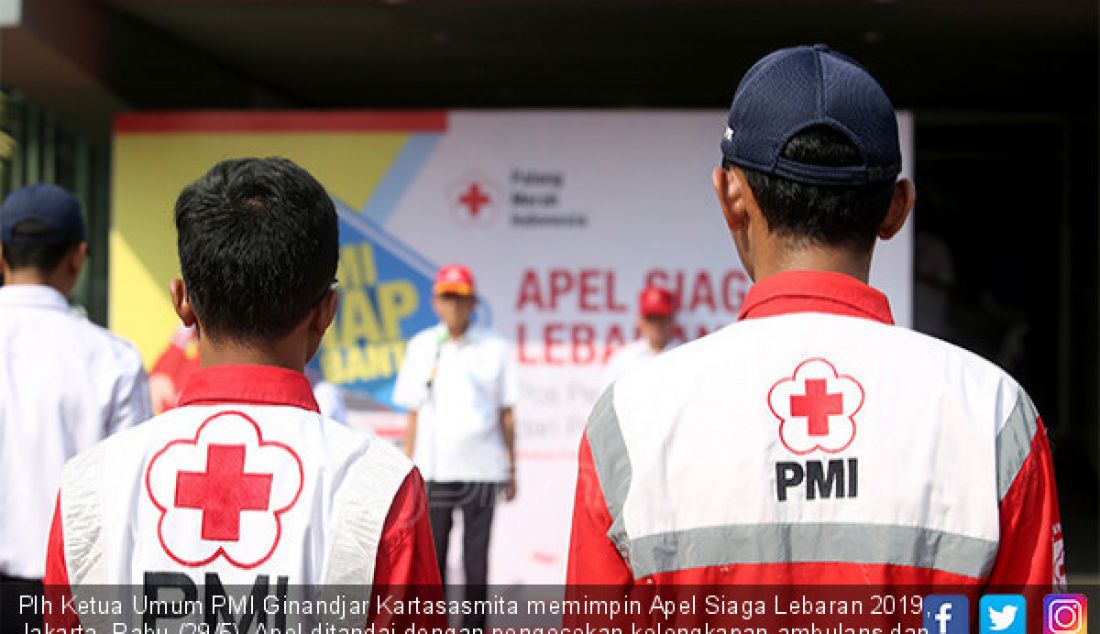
x=730, y=186
x=905, y=196
x=181, y=303
x=324, y=314
x=76, y=259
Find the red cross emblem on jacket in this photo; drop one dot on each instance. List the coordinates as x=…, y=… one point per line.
x=816, y=408
x=223, y=492
x=225, y=482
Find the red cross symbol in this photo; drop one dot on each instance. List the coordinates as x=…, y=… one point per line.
x=817, y=405
x=223, y=492
x=474, y=198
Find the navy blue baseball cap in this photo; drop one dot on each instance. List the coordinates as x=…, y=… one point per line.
x=56, y=210
x=795, y=88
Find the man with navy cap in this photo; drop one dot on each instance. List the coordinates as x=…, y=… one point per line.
x=65, y=383
x=814, y=441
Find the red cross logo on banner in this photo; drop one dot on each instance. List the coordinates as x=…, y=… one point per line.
x=475, y=199
x=816, y=408
x=222, y=484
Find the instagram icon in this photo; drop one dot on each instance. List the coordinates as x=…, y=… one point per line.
x=1064, y=614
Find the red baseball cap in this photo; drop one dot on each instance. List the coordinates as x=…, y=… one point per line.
x=655, y=301
x=454, y=278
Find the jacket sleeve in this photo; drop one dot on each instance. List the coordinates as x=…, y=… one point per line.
x=56, y=580
x=406, y=566
x=1031, y=551
x=593, y=557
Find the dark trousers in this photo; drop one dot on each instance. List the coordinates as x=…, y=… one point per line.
x=12, y=590
x=476, y=500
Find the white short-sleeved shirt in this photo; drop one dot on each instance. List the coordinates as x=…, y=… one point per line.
x=458, y=437
x=65, y=384
x=630, y=356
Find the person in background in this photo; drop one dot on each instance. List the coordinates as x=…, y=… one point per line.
x=245, y=477
x=656, y=320
x=65, y=383
x=458, y=382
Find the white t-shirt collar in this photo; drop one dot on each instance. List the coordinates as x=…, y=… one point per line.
x=33, y=295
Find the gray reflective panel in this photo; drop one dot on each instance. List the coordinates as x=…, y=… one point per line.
x=781, y=543
x=612, y=462
x=1014, y=442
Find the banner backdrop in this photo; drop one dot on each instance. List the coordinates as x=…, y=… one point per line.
x=562, y=216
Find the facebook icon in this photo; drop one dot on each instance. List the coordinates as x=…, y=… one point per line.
x=946, y=614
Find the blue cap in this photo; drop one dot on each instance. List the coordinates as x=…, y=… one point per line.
x=56, y=209
x=795, y=88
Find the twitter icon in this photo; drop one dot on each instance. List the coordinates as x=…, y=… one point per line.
x=1003, y=614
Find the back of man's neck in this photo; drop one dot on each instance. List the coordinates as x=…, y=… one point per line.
x=233, y=353
x=31, y=277
x=830, y=260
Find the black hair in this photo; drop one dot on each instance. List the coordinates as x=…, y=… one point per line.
x=258, y=246
x=44, y=258
x=818, y=214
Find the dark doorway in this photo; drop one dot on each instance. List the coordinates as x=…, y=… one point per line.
x=1006, y=267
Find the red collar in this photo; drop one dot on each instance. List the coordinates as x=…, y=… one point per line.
x=251, y=384
x=815, y=292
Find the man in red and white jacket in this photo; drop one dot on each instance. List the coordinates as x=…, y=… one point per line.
x=245, y=484
x=814, y=442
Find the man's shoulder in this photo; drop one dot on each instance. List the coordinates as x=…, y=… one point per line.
x=925, y=353
x=638, y=346
x=334, y=443
x=430, y=332
x=426, y=338
x=123, y=348
x=120, y=445
x=971, y=359
x=871, y=337
x=627, y=355
x=99, y=341
x=740, y=352
x=487, y=337
x=359, y=449
x=386, y=455
x=690, y=352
